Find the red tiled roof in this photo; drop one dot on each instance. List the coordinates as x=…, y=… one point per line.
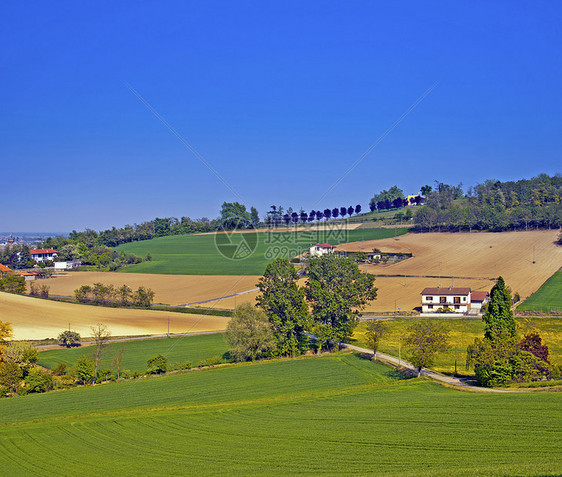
x=479, y=295
x=324, y=245
x=446, y=291
x=42, y=250
x=4, y=268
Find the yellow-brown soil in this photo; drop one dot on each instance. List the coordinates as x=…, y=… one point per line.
x=168, y=289
x=33, y=318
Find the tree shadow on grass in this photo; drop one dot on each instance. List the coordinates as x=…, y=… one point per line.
x=399, y=374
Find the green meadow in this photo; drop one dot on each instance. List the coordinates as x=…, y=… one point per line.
x=462, y=333
x=136, y=353
x=200, y=255
x=547, y=298
x=337, y=414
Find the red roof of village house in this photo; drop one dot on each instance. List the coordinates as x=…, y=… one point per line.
x=446, y=291
x=42, y=250
x=324, y=245
x=478, y=295
x=4, y=268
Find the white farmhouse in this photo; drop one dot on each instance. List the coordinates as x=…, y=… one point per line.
x=43, y=254
x=321, y=249
x=457, y=299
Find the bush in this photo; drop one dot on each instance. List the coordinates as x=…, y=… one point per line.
x=69, y=338
x=59, y=369
x=184, y=365
x=157, y=365
x=38, y=381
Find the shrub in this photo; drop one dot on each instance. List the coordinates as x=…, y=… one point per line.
x=157, y=365
x=68, y=338
x=184, y=365
x=59, y=369
x=38, y=381
x=10, y=374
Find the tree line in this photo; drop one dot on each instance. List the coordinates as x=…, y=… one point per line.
x=494, y=206
x=278, y=216
x=110, y=295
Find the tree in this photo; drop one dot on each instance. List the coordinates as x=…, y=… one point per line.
x=375, y=331
x=425, y=339
x=350, y=210
x=6, y=332
x=124, y=292
x=143, y=297
x=357, y=209
x=38, y=381
x=23, y=354
x=249, y=333
x=335, y=212
x=284, y=304
x=85, y=370
x=100, y=336
x=157, y=365
x=327, y=214
x=13, y=284
x=68, y=338
x=10, y=374
x=118, y=359
x=337, y=290
x=343, y=211
x=498, y=318
x=234, y=215
x=254, y=217
x=426, y=190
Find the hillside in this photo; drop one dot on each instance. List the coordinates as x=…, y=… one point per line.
x=33, y=318
x=199, y=254
x=329, y=415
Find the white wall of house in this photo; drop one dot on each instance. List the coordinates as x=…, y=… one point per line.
x=459, y=303
x=316, y=251
x=41, y=257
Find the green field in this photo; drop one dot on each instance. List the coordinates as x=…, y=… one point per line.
x=198, y=254
x=547, y=298
x=330, y=415
x=136, y=353
x=462, y=333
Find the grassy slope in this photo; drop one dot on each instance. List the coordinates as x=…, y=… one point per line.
x=136, y=354
x=334, y=415
x=547, y=298
x=198, y=255
x=462, y=333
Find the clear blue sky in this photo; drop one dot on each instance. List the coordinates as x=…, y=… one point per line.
x=279, y=97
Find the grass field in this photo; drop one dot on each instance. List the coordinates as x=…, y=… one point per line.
x=136, y=353
x=462, y=333
x=198, y=254
x=321, y=415
x=547, y=298
x=34, y=318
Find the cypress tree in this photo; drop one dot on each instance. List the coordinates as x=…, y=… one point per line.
x=498, y=318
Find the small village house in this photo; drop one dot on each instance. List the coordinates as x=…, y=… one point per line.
x=43, y=254
x=321, y=249
x=68, y=265
x=457, y=299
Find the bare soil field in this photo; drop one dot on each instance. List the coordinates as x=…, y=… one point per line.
x=480, y=256
x=33, y=318
x=168, y=289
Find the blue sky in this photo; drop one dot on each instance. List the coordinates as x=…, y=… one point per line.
x=281, y=98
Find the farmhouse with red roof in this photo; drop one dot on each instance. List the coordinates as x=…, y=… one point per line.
x=43, y=254
x=457, y=299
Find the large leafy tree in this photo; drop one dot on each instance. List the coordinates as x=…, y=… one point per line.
x=425, y=339
x=234, y=215
x=284, y=304
x=337, y=291
x=498, y=318
x=249, y=333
